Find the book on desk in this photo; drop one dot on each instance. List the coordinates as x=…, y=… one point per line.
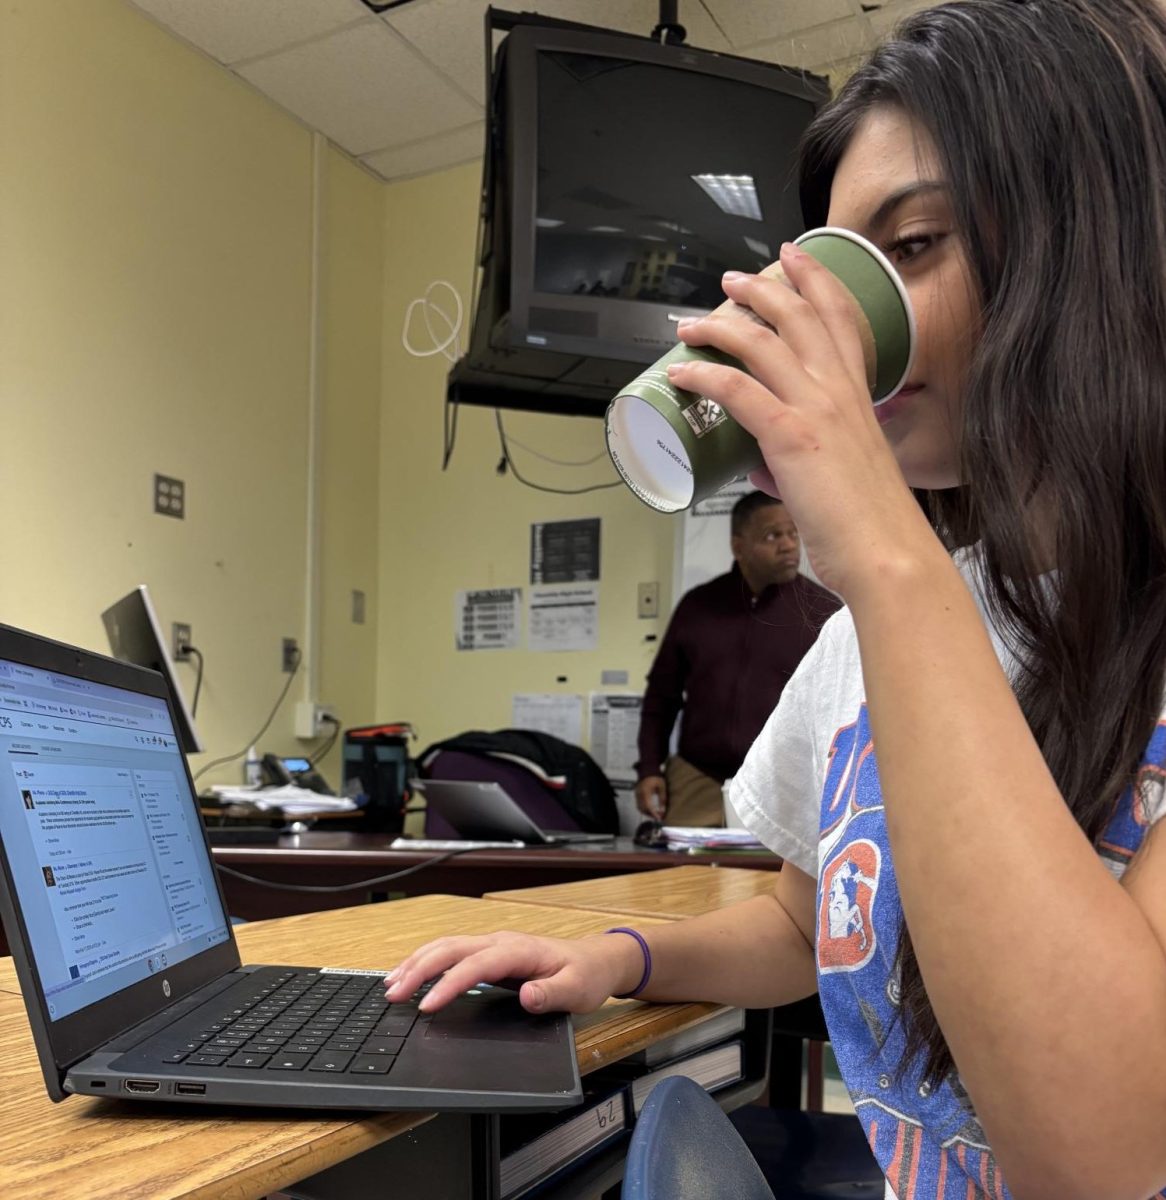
x=534, y=1152
x=717, y=1028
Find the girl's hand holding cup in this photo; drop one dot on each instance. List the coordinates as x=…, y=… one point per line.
x=788, y=398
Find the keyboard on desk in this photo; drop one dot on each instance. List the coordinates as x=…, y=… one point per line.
x=295, y=1036
x=294, y=1021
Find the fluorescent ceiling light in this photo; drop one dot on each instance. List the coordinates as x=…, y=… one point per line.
x=604, y=229
x=673, y=226
x=759, y=248
x=651, y=237
x=546, y=222
x=732, y=194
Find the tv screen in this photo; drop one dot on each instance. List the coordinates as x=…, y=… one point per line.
x=626, y=177
x=135, y=636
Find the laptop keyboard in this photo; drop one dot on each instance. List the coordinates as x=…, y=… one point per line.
x=301, y=1021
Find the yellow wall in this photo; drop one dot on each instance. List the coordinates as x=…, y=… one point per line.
x=468, y=528
x=351, y=299
x=156, y=222
x=155, y=236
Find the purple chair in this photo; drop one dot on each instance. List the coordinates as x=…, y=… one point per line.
x=538, y=801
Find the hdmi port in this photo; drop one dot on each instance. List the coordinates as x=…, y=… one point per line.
x=190, y=1089
x=142, y=1085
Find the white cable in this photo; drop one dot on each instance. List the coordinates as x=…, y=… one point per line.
x=449, y=347
x=454, y=324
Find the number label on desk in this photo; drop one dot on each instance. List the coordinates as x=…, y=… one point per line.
x=606, y=1114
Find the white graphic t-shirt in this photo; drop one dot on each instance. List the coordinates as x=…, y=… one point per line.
x=809, y=789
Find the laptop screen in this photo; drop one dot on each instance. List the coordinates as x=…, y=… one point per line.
x=102, y=835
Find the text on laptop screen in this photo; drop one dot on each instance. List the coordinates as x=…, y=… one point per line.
x=102, y=835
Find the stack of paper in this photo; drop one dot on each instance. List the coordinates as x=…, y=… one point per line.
x=700, y=837
x=289, y=799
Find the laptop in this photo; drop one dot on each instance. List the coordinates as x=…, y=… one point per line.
x=485, y=812
x=128, y=965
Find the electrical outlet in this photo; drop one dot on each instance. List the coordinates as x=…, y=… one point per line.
x=289, y=655
x=648, y=600
x=179, y=641
x=312, y=720
x=169, y=496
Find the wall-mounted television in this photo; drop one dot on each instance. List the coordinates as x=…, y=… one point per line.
x=623, y=176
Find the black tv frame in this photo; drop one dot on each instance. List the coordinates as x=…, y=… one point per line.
x=573, y=376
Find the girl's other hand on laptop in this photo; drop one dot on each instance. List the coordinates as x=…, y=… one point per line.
x=560, y=975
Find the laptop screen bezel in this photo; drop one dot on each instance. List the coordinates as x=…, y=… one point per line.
x=67, y=1040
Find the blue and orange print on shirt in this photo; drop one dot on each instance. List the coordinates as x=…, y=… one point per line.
x=927, y=1140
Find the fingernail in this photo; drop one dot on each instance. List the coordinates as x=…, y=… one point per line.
x=685, y=322
x=732, y=276
x=392, y=975
x=789, y=250
x=674, y=369
x=536, y=996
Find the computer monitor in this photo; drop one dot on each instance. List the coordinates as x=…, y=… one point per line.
x=135, y=636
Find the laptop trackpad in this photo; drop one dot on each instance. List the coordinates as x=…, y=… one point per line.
x=498, y=1020
x=492, y=1046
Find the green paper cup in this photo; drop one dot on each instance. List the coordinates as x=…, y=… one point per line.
x=675, y=448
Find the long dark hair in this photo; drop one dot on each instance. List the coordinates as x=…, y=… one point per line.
x=1049, y=117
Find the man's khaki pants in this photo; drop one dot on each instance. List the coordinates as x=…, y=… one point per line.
x=694, y=798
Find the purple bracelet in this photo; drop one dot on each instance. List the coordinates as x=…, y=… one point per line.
x=647, y=961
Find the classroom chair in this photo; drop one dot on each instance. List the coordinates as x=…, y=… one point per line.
x=683, y=1147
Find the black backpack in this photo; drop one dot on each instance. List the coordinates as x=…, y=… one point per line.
x=585, y=792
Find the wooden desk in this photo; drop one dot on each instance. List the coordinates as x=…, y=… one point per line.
x=670, y=894
x=348, y=859
x=106, y=1148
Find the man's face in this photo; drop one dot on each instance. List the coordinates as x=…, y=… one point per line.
x=767, y=549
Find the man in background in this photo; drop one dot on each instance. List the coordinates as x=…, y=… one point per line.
x=730, y=647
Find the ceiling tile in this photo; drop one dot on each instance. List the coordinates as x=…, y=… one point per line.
x=429, y=154
x=638, y=16
x=450, y=33
x=363, y=88
x=230, y=30
x=814, y=49
x=887, y=17
x=746, y=23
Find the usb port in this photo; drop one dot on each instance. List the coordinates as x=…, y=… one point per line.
x=190, y=1089
x=142, y=1085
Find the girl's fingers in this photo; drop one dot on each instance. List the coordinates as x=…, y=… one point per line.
x=819, y=322
x=775, y=302
x=749, y=401
x=832, y=303
x=429, y=961
x=485, y=966
x=462, y=962
x=762, y=479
